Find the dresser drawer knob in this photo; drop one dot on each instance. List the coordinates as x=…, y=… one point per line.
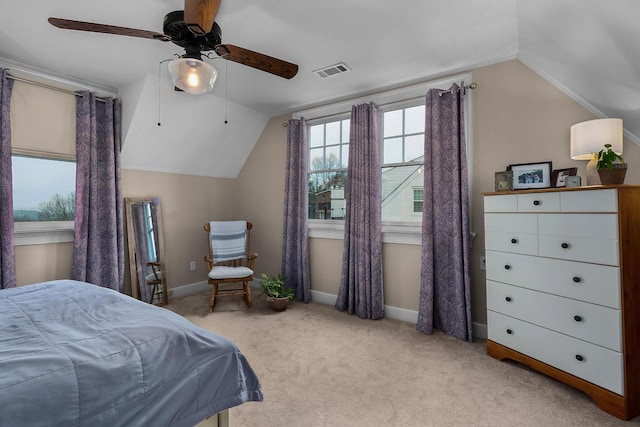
x=514, y=241
x=565, y=246
x=577, y=279
x=579, y=358
x=509, y=331
x=507, y=267
x=536, y=203
x=577, y=318
x=508, y=299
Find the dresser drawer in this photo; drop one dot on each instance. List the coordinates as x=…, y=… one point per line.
x=597, y=284
x=598, y=365
x=579, y=237
x=517, y=223
x=589, y=322
x=589, y=201
x=539, y=202
x=598, y=226
x=506, y=203
x=511, y=242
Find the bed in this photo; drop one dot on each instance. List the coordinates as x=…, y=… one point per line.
x=75, y=354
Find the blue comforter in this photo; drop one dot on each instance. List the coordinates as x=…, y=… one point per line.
x=75, y=354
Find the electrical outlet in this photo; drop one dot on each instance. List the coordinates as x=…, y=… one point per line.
x=192, y=266
x=483, y=263
x=169, y=292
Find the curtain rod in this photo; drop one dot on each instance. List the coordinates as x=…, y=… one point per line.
x=49, y=86
x=471, y=85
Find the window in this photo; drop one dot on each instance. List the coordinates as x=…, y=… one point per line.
x=402, y=162
x=43, y=199
x=402, y=121
x=418, y=199
x=328, y=159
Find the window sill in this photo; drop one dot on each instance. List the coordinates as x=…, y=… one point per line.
x=42, y=233
x=402, y=233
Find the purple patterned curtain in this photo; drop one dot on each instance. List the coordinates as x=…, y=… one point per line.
x=295, y=249
x=98, y=249
x=445, y=291
x=361, y=283
x=7, y=254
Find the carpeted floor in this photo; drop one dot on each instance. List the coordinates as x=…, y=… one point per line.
x=322, y=367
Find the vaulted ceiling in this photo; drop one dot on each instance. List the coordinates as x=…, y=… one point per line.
x=588, y=48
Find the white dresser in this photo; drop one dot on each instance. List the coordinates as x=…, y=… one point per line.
x=563, y=287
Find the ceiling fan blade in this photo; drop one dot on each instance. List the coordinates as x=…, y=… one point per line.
x=257, y=60
x=69, y=24
x=200, y=14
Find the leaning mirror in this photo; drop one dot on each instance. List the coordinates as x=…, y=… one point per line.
x=146, y=250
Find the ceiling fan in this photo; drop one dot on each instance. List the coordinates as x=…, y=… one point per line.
x=195, y=30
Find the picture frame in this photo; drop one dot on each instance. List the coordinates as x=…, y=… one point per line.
x=531, y=175
x=559, y=175
x=504, y=181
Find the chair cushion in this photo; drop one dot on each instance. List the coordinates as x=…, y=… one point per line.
x=223, y=272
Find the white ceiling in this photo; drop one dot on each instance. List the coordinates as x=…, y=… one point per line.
x=586, y=47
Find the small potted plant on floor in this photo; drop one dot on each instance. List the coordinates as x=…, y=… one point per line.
x=278, y=295
x=611, y=166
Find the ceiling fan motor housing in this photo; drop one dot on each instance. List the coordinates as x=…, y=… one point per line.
x=175, y=27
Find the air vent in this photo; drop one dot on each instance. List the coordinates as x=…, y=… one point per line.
x=333, y=70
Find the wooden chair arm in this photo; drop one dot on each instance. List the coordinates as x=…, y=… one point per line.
x=209, y=262
x=251, y=259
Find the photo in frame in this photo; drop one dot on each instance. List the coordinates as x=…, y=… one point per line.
x=558, y=177
x=531, y=175
x=504, y=181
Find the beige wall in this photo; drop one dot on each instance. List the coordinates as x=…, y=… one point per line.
x=187, y=203
x=517, y=116
x=260, y=195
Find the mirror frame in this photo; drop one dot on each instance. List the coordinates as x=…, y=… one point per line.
x=135, y=286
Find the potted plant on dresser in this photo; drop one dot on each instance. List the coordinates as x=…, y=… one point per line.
x=274, y=288
x=611, y=166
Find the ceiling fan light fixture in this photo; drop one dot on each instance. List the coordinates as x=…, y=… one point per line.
x=192, y=75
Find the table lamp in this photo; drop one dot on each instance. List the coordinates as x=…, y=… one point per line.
x=588, y=138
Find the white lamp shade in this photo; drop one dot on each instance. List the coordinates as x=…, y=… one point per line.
x=192, y=75
x=590, y=137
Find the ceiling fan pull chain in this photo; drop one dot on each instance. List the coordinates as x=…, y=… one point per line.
x=226, y=90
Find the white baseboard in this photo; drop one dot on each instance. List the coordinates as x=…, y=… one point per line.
x=191, y=288
x=403, y=314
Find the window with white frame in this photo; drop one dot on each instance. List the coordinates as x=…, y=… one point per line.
x=402, y=159
x=43, y=189
x=43, y=195
x=328, y=159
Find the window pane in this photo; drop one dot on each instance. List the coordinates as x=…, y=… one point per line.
x=316, y=136
x=316, y=160
x=333, y=157
x=392, y=123
x=346, y=127
x=345, y=156
x=392, y=151
x=43, y=189
x=398, y=197
x=332, y=133
x=414, y=120
x=414, y=148
x=326, y=195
